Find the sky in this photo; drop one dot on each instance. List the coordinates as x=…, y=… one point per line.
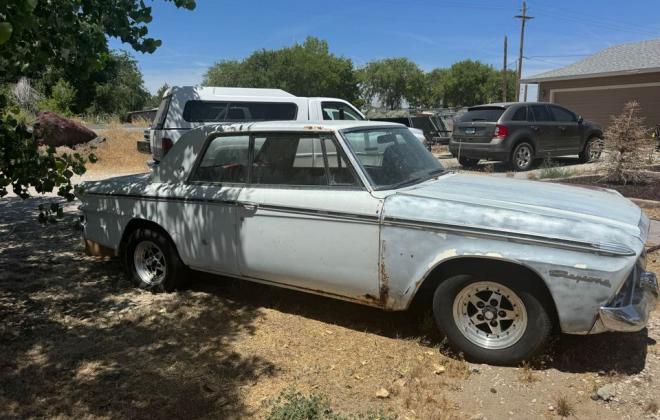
x=433, y=33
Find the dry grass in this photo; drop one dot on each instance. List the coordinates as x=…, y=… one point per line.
x=652, y=212
x=651, y=407
x=564, y=407
x=118, y=154
x=527, y=374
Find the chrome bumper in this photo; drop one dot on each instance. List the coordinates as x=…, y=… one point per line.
x=630, y=308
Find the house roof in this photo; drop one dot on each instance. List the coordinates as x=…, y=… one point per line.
x=632, y=58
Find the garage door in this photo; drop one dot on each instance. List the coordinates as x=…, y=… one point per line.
x=598, y=104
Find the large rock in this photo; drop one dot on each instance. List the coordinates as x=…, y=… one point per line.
x=52, y=129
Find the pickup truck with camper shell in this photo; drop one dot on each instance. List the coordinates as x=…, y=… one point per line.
x=183, y=108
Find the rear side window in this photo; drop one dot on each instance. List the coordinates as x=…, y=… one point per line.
x=225, y=160
x=161, y=114
x=541, y=113
x=339, y=111
x=261, y=111
x=562, y=114
x=482, y=114
x=213, y=111
x=204, y=111
x=520, y=114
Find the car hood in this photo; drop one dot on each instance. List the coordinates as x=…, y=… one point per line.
x=539, y=209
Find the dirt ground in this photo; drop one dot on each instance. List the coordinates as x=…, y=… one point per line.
x=78, y=341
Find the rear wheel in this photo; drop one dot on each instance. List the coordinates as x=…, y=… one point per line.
x=522, y=157
x=490, y=319
x=592, y=150
x=467, y=162
x=151, y=261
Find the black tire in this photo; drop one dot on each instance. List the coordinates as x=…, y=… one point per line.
x=588, y=154
x=522, y=157
x=534, y=335
x=467, y=162
x=174, y=267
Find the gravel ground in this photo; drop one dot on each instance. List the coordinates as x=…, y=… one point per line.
x=77, y=341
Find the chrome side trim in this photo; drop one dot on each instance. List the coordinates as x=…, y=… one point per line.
x=557, y=242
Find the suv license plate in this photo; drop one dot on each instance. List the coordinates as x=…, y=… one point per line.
x=470, y=130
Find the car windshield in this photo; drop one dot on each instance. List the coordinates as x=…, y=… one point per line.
x=392, y=157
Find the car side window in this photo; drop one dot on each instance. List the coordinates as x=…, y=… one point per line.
x=339, y=111
x=339, y=171
x=520, y=114
x=563, y=115
x=225, y=160
x=541, y=113
x=288, y=159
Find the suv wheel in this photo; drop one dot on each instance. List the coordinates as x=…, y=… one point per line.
x=522, y=157
x=490, y=319
x=152, y=262
x=467, y=162
x=592, y=150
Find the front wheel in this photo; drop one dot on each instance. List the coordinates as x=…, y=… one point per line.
x=592, y=150
x=491, y=320
x=522, y=157
x=151, y=261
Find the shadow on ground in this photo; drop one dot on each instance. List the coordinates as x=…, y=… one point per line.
x=609, y=353
x=77, y=340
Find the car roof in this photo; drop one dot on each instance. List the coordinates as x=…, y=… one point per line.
x=300, y=125
x=505, y=105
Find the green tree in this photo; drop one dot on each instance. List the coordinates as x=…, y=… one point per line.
x=64, y=34
x=122, y=89
x=155, y=99
x=307, y=69
x=391, y=81
x=61, y=100
x=471, y=82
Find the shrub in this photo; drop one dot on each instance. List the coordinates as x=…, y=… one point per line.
x=628, y=145
x=61, y=100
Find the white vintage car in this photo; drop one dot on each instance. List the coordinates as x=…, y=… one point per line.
x=360, y=211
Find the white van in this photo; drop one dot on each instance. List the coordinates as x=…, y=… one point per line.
x=186, y=107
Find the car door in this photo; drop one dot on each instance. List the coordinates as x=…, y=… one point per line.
x=544, y=126
x=305, y=219
x=213, y=190
x=568, y=130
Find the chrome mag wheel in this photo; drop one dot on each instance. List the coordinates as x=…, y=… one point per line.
x=150, y=264
x=490, y=315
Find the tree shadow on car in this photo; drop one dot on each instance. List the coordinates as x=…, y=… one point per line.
x=609, y=352
x=78, y=340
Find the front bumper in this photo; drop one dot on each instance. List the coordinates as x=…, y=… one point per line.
x=630, y=308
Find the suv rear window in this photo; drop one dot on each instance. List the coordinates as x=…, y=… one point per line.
x=482, y=114
x=212, y=111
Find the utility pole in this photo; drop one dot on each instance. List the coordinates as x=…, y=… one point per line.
x=523, y=19
x=504, y=73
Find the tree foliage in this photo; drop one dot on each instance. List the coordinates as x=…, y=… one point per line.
x=71, y=36
x=155, y=99
x=391, y=81
x=307, y=69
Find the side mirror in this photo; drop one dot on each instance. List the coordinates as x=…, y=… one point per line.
x=580, y=119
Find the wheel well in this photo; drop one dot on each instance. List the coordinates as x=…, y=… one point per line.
x=479, y=266
x=135, y=224
x=522, y=140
